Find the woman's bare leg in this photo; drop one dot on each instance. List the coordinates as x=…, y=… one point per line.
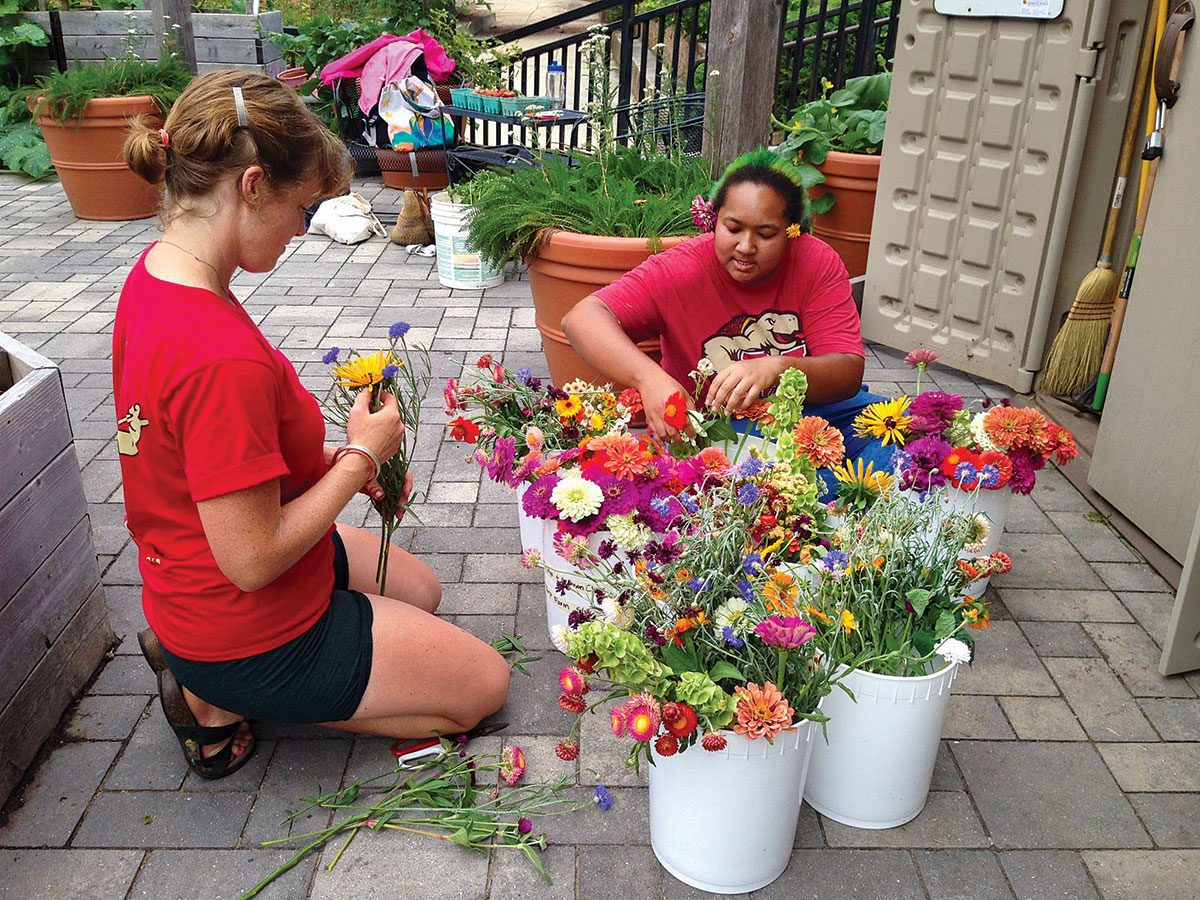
x=408, y=579
x=427, y=676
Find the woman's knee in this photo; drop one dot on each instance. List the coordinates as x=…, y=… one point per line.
x=491, y=689
x=427, y=589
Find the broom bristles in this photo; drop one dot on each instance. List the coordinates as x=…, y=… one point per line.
x=1075, y=354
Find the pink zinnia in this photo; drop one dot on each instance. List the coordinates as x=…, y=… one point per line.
x=787, y=632
x=714, y=461
x=704, y=216
x=920, y=358
x=761, y=712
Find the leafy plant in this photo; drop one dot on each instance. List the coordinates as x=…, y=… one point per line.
x=64, y=95
x=850, y=120
x=21, y=146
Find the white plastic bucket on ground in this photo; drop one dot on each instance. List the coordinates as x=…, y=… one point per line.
x=992, y=504
x=739, y=449
x=532, y=530
x=725, y=822
x=877, y=766
x=458, y=266
x=560, y=606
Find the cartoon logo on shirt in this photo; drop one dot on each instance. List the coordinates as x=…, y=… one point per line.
x=129, y=430
x=773, y=333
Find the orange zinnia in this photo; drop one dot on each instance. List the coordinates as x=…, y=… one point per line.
x=780, y=593
x=762, y=712
x=819, y=441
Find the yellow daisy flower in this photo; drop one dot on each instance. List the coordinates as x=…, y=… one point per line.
x=858, y=477
x=848, y=622
x=885, y=420
x=363, y=371
x=793, y=230
x=568, y=407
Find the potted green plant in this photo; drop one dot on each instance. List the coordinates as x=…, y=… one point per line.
x=584, y=220
x=84, y=116
x=835, y=140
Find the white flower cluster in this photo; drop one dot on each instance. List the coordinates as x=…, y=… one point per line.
x=954, y=651
x=627, y=533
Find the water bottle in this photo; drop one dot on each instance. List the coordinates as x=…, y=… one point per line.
x=556, y=84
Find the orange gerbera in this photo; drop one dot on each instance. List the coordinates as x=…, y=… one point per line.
x=819, y=441
x=780, y=593
x=762, y=712
x=611, y=443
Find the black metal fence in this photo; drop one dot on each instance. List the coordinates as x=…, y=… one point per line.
x=655, y=50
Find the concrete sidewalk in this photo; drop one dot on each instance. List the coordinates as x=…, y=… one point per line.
x=1069, y=768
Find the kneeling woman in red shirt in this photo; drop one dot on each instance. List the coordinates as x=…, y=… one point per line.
x=257, y=603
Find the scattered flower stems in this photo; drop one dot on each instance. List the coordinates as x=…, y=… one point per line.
x=512, y=648
x=451, y=797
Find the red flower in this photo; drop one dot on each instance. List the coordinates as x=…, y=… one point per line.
x=572, y=703
x=1002, y=562
x=631, y=399
x=566, y=750
x=666, y=745
x=484, y=361
x=675, y=412
x=462, y=429
x=713, y=742
x=679, y=719
x=956, y=456
x=588, y=663
x=1002, y=463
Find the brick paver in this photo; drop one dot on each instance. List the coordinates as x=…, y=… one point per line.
x=1069, y=765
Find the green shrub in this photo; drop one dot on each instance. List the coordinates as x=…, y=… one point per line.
x=64, y=95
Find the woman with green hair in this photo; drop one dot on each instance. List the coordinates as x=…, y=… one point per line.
x=756, y=295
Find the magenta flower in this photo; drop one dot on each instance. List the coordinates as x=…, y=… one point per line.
x=536, y=501
x=932, y=411
x=704, y=216
x=786, y=632
x=524, y=825
x=512, y=765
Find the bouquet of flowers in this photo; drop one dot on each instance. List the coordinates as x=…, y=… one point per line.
x=893, y=584
x=697, y=630
x=516, y=420
x=945, y=443
x=405, y=373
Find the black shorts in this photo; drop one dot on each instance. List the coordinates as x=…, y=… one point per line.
x=319, y=676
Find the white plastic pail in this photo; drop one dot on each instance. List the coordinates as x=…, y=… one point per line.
x=532, y=530
x=876, y=768
x=458, y=266
x=725, y=822
x=560, y=606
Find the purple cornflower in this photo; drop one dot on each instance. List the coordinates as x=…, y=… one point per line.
x=835, y=562
x=579, y=616
x=331, y=356
x=688, y=503
x=752, y=564
x=966, y=474
x=749, y=467
x=661, y=505
x=389, y=371
x=524, y=375
x=989, y=476
x=398, y=330
x=602, y=798
x=697, y=585
x=731, y=638
x=606, y=549
x=745, y=589
x=747, y=493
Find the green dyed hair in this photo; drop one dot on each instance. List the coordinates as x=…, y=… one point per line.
x=769, y=169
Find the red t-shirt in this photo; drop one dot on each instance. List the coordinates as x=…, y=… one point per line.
x=685, y=296
x=205, y=407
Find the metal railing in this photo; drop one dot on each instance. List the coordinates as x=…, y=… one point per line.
x=662, y=51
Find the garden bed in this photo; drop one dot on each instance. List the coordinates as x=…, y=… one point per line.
x=52, y=610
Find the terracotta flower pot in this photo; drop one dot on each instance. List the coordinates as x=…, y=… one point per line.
x=87, y=154
x=852, y=179
x=293, y=77
x=567, y=268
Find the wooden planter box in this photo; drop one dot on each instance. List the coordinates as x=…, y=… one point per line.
x=223, y=40
x=53, y=616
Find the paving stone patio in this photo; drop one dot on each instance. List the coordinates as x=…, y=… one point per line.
x=1069, y=768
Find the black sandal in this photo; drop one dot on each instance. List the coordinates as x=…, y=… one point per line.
x=193, y=736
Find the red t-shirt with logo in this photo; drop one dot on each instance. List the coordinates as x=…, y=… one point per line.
x=205, y=407
x=685, y=297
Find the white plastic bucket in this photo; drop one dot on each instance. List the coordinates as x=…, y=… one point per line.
x=458, y=266
x=725, y=822
x=738, y=450
x=532, y=530
x=560, y=606
x=994, y=506
x=877, y=766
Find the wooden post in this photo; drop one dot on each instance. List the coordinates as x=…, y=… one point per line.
x=173, y=22
x=743, y=54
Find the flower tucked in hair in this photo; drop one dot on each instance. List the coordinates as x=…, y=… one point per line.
x=761, y=712
x=704, y=216
x=793, y=231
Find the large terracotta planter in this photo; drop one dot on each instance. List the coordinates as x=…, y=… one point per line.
x=852, y=179
x=87, y=154
x=568, y=267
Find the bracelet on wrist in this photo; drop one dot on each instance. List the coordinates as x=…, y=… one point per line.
x=359, y=450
